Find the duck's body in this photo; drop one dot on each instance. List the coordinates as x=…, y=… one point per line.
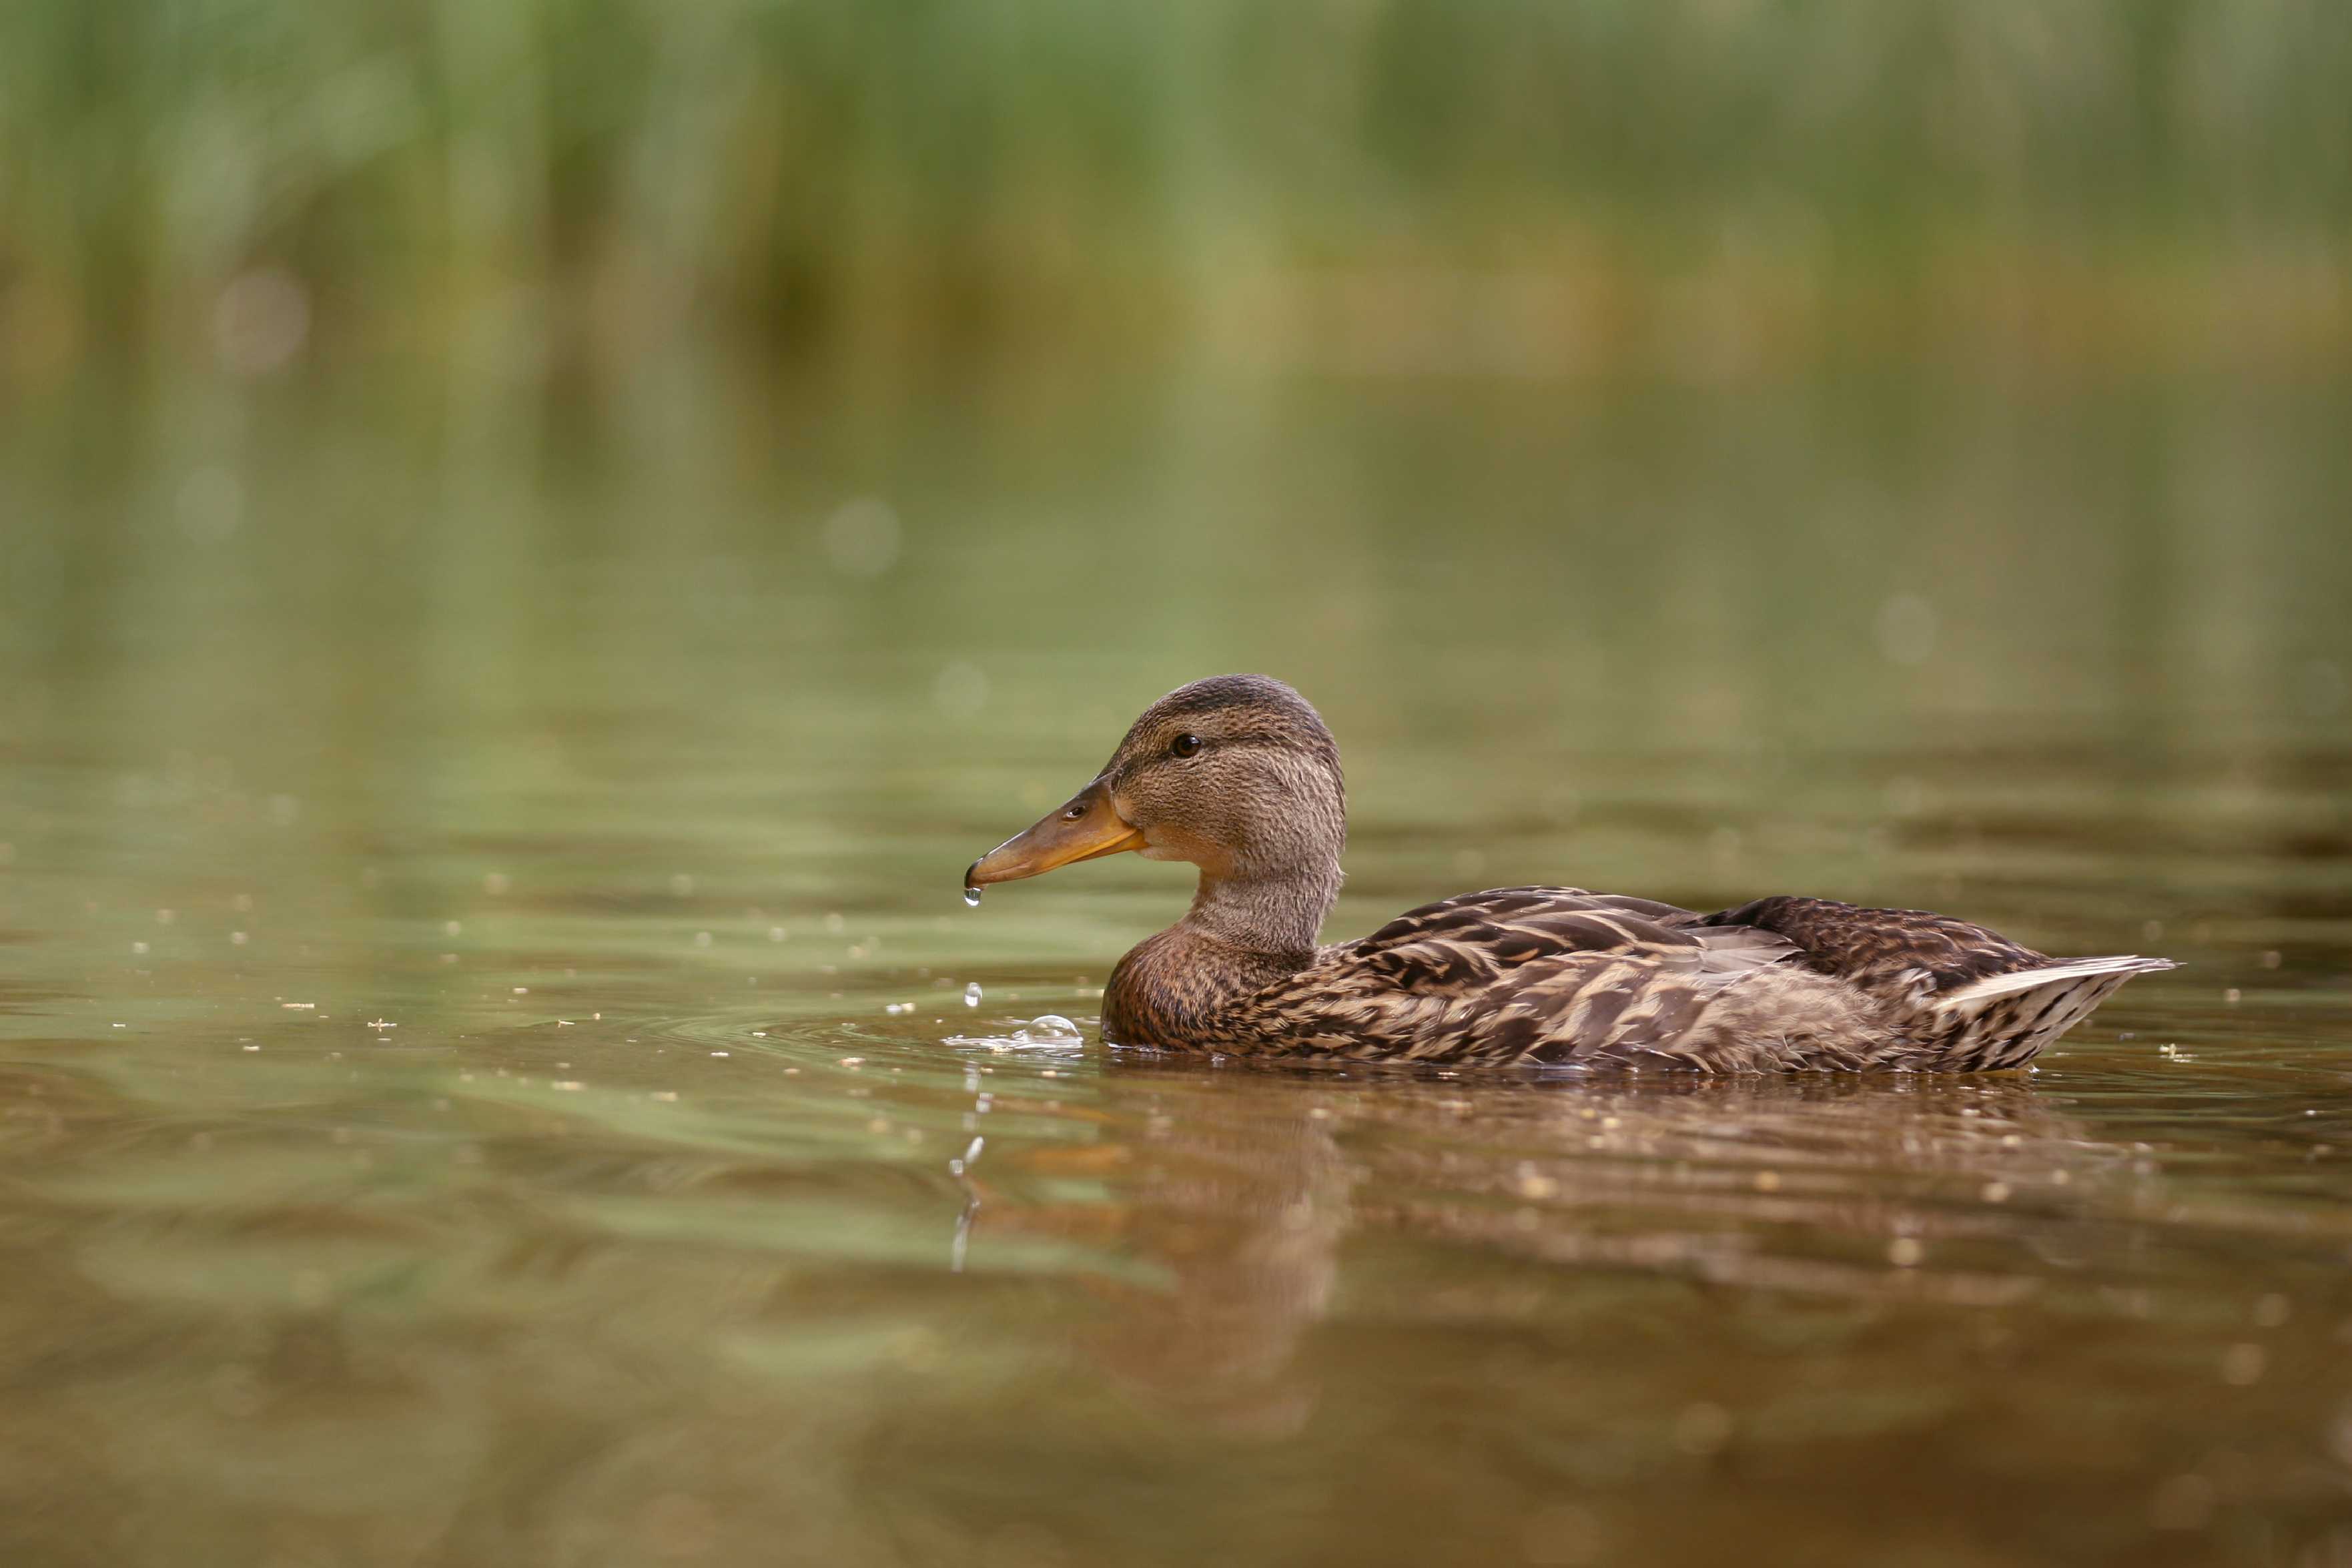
x=1561, y=975
x=1238, y=776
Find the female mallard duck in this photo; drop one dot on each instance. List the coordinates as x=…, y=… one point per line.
x=1238, y=776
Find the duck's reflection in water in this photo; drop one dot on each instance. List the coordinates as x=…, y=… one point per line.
x=1247, y=1190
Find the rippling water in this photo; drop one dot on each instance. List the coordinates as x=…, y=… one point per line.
x=488, y=1070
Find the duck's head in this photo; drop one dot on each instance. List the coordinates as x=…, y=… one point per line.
x=1236, y=773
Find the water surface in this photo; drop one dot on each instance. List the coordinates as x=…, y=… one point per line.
x=490, y=1070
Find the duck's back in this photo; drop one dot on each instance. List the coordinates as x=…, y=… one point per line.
x=1561, y=975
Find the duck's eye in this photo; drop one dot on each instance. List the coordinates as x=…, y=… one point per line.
x=1184, y=745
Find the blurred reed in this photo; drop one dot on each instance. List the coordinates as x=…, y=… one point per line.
x=1710, y=189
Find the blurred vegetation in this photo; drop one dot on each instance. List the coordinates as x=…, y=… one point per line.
x=1709, y=188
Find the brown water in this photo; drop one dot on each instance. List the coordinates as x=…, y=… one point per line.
x=487, y=1074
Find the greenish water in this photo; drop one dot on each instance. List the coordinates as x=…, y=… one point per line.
x=485, y=1073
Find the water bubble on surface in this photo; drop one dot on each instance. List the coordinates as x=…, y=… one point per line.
x=1050, y=1037
x=972, y=897
x=972, y=994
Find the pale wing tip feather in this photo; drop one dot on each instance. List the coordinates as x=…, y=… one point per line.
x=2011, y=984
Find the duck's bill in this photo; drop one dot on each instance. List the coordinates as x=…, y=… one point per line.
x=1085, y=829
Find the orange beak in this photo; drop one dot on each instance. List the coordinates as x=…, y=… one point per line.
x=1088, y=828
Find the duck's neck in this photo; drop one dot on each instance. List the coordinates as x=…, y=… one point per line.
x=1240, y=936
x=1273, y=917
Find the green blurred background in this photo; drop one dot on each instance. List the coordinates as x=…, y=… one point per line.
x=1683, y=375
x=1675, y=373
x=1717, y=190
x=423, y=397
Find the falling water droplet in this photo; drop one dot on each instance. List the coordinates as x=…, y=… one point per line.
x=972, y=896
x=972, y=994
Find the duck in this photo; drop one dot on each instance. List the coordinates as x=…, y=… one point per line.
x=1239, y=776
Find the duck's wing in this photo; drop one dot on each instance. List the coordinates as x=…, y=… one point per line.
x=1539, y=974
x=1912, y=953
x=1477, y=938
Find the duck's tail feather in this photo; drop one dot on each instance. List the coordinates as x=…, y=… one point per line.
x=1977, y=992
x=2006, y=1020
